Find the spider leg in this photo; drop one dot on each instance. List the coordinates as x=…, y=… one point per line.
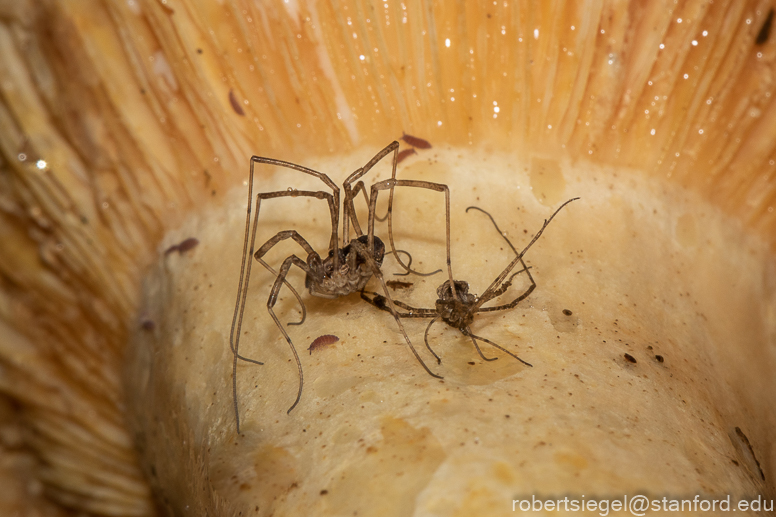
x=390, y=185
x=350, y=193
x=245, y=266
x=366, y=255
x=491, y=343
x=519, y=258
x=293, y=260
x=514, y=302
x=425, y=339
x=380, y=302
x=506, y=285
x=291, y=288
x=334, y=241
x=477, y=347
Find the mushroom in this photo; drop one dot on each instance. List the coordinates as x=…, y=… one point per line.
x=127, y=127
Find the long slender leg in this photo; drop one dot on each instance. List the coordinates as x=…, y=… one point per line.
x=366, y=255
x=390, y=184
x=245, y=267
x=291, y=288
x=506, y=285
x=293, y=260
x=491, y=343
x=477, y=347
x=334, y=241
x=349, y=207
x=425, y=340
x=503, y=288
x=380, y=302
x=519, y=258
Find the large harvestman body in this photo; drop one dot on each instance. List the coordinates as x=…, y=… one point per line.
x=347, y=266
x=457, y=307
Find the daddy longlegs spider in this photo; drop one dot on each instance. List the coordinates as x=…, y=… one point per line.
x=457, y=307
x=347, y=266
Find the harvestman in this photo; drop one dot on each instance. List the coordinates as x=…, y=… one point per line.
x=458, y=310
x=346, y=268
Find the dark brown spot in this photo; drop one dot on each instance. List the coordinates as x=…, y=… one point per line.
x=188, y=244
x=403, y=154
x=630, y=358
x=397, y=284
x=765, y=30
x=416, y=142
x=659, y=358
x=235, y=104
x=567, y=312
x=324, y=492
x=472, y=363
x=744, y=439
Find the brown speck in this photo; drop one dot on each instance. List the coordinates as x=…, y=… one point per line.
x=416, y=142
x=324, y=492
x=567, y=312
x=630, y=358
x=199, y=51
x=403, y=154
x=765, y=30
x=183, y=246
x=397, y=284
x=472, y=363
x=659, y=358
x=235, y=104
x=186, y=245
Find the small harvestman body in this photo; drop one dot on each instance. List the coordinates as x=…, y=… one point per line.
x=347, y=266
x=457, y=307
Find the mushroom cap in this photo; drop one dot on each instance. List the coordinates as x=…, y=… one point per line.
x=126, y=126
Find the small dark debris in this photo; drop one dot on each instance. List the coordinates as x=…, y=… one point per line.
x=659, y=358
x=183, y=246
x=630, y=358
x=235, y=104
x=765, y=30
x=403, y=154
x=188, y=244
x=148, y=324
x=567, y=312
x=324, y=492
x=744, y=439
x=416, y=142
x=199, y=51
x=472, y=363
x=397, y=284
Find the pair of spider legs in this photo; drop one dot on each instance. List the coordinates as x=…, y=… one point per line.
x=417, y=312
x=345, y=269
x=458, y=308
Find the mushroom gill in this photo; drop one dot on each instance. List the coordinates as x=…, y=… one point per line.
x=127, y=127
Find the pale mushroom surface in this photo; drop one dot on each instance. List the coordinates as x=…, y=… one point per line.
x=375, y=435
